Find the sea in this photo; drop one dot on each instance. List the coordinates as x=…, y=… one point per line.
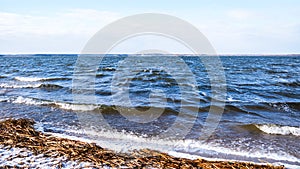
x=131, y=101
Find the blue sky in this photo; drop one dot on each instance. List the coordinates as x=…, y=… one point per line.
x=232, y=26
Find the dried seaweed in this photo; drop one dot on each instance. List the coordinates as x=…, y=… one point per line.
x=20, y=133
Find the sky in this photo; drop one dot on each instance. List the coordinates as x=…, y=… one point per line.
x=231, y=26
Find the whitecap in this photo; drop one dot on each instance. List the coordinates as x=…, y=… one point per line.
x=279, y=130
x=28, y=79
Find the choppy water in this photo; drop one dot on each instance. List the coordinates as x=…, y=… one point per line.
x=261, y=119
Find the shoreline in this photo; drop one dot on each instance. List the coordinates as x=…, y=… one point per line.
x=20, y=134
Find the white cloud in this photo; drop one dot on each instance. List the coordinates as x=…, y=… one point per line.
x=40, y=31
x=249, y=31
x=230, y=31
x=75, y=21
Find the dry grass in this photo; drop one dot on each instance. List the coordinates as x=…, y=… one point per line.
x=20, y=133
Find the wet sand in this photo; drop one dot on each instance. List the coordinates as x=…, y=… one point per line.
x=21, y=135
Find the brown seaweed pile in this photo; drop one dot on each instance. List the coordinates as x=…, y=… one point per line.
x=21, y=134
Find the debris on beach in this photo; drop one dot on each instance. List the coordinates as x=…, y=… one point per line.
x=20, y=134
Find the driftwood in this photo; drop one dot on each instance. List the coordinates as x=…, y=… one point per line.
x=21, y=134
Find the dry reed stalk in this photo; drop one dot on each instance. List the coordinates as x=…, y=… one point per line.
x=21, y=133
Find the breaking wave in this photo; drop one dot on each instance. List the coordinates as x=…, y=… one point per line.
x=124, y=140
x=38, y=85
x=273, y=129
x=105, y=109
x=289, y=83
x=36, y=79
x=279, y=130
x=62, y=105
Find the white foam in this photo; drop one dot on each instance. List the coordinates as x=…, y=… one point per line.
x=29, y=101
x=184, y=155
x=281, y=80
x=119, y=141
x=36, y=79
x=29, y=79
x=211, y=148
x=231, y=99
x=76, y=107
x=189, y=156
x=203, y=93
x=280, y=130
x=5, y=85
x=192, y=149
x=62, y=105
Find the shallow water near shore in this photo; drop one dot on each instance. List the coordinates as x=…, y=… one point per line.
x=260, y=122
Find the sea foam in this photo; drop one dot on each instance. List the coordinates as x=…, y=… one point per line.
x=277, y=129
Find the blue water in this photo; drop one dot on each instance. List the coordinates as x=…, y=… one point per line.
x=261, y=119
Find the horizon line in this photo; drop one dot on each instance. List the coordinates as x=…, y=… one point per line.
x=55, y=53
x=223, y=54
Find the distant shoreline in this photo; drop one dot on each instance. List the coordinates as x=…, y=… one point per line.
x=124, y=54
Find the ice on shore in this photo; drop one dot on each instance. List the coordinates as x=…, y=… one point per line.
x=21, y=157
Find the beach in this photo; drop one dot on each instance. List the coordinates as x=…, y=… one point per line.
x=43, y=124
x=20, y=136
x=153, y=84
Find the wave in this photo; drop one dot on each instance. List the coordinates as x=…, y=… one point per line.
x=231, y=99
x=4, y=98
x=62, y=105
x=248, y=107
x=285, y=106
x=192, y=149
x=50, y=86
x=278, y=130
x=288, y=83
x=273, y=129
x=5, y=85
x=107, y=69
x=105, y=109
x=39, y=85
x=36, y=79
